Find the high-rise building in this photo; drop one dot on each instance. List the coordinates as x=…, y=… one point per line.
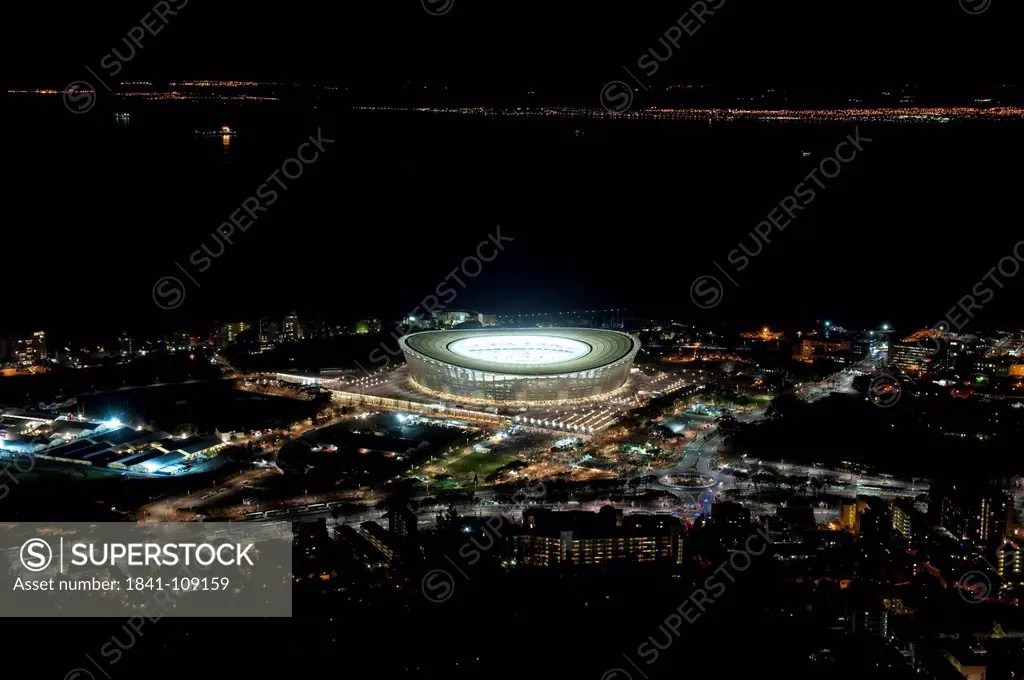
x=39, y=338
x=848, y=517
x=1010, y=565
x=994, y=509
x=851, y=514
x=126, y=345
x=873, y=519
x=403, y=526
x=270, y=331
x=233, y=329
x=291, y=328
x=949, y=514
x=907, y=521
x=979, y=515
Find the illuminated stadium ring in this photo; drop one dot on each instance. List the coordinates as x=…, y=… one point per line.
x=530, y=365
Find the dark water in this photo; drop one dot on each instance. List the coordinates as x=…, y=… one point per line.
x=602, y=213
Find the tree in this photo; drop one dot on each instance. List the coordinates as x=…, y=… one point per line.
x=728, y=426
x=783, y=405
x=447, y=518
x=861, y=383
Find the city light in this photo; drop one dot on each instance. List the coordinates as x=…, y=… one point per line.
x=559, y=456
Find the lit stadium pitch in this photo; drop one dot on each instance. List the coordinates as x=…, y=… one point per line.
x=520, y=349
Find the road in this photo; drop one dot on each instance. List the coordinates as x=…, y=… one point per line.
x=166, y=509
x=698, y=459
x=700, y=454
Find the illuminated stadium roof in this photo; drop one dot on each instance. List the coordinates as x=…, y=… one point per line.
x=527, y=351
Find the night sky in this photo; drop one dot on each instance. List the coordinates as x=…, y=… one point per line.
x=565, y=47
x=602, y=215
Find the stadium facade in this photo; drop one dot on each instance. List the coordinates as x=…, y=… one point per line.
x=520, y=366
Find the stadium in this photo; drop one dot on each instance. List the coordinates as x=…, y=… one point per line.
x=519, y=366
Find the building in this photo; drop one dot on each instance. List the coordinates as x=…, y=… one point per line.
x=550, y=538
x=920, y=354
x=454, y=319
x=848, y=517
x=811, y=348
x=449, y=318
x=994, y=508
x=312, y=542
x=998, y=367
x=861, y=346
x=964, y=351
x=234, y=329
x=766, y=334
x=403, y=526
x=39, y=345
x=871, y=621
x=380, y=539
x=181, y=341
x=970, y=663
x=907, y=521
x=291, y=328
x=912, y=358
x=73, y=442
x=730, y=516
x=521, y=366
x=947, y=512
x=126, y=346
x=368, y=326
x=1010, y=565
x=299, y=378
x=978, y=515
x=172, y=456
x=313, y=327
x=873, y=519
x=269, y=331
x=29, y=351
